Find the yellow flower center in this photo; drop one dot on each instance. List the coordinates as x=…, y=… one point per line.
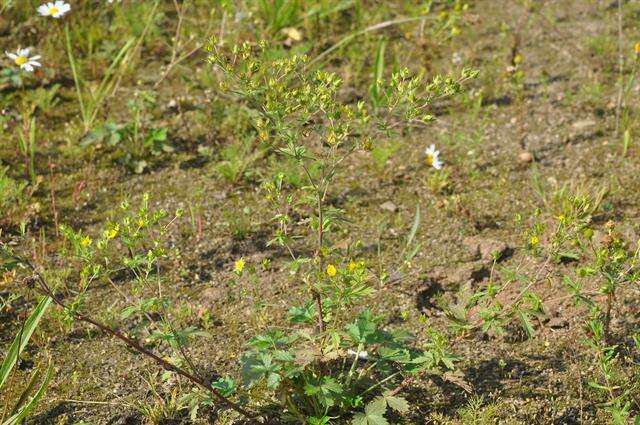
x=54, y=11
x=429, y=160
x=21, y=60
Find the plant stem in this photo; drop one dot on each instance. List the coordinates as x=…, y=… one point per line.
x=76, y=80
x=44, y=287
x=316, y=294
x=320, y=241
x=378, y=384
x=620, y=70
x=607, y=317
x=352, y=369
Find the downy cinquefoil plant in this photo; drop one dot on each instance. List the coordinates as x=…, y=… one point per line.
x=349, y=363
x=608, y=267
x=132, y=247
x=598, y=266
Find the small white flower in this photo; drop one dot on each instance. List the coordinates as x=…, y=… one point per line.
x=55, y=9
x=23, y=60
x=433, y=157
x=362, y=355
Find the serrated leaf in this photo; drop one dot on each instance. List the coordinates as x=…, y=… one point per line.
x=526, y=323
x=399, y=404
x=373, y=413
x=273, y=380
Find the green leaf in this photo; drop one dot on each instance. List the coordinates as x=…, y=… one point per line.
x=271, y=339
x=526, y=323
x=24, y=411
x=273, y=380
x=325, y=390
x=373, y=413
x=415, y=226
x=257, y=366
x=323, y=420
x=394, y=354
x=226, y=386
x=22, y=338
x=374, y=89
x=304, y=314
x=399, y=404
x=363, y=329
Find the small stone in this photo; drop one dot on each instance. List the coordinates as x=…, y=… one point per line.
x=466, y=273
x=583, y=125
x=525, y=157
x=486, y=248
x=557, y=323
x=389, y=206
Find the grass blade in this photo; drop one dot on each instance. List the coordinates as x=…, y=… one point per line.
x=24, y=411
x=21, y=340
x=76, y=78
x=378, y=73
x=414, y=227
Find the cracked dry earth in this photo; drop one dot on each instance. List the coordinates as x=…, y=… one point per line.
x=505, y=157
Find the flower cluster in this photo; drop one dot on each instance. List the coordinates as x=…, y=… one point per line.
x=21, y=57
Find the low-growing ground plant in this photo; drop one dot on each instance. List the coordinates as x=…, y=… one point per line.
x=295, y=139
x=349, y=363
x=602, y=263
x=137, y=140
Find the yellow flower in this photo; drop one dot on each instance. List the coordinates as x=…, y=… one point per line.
x=355, y=265
x=112, y=233
x=331, y=270
x=637, y=48
x=141, y=222
x=517, y=60
x=85, y=241
x=534, y=240
x=238, y=266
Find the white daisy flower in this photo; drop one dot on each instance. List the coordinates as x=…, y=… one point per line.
x=23, y=60
x=433, y=157
x=54, y=9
